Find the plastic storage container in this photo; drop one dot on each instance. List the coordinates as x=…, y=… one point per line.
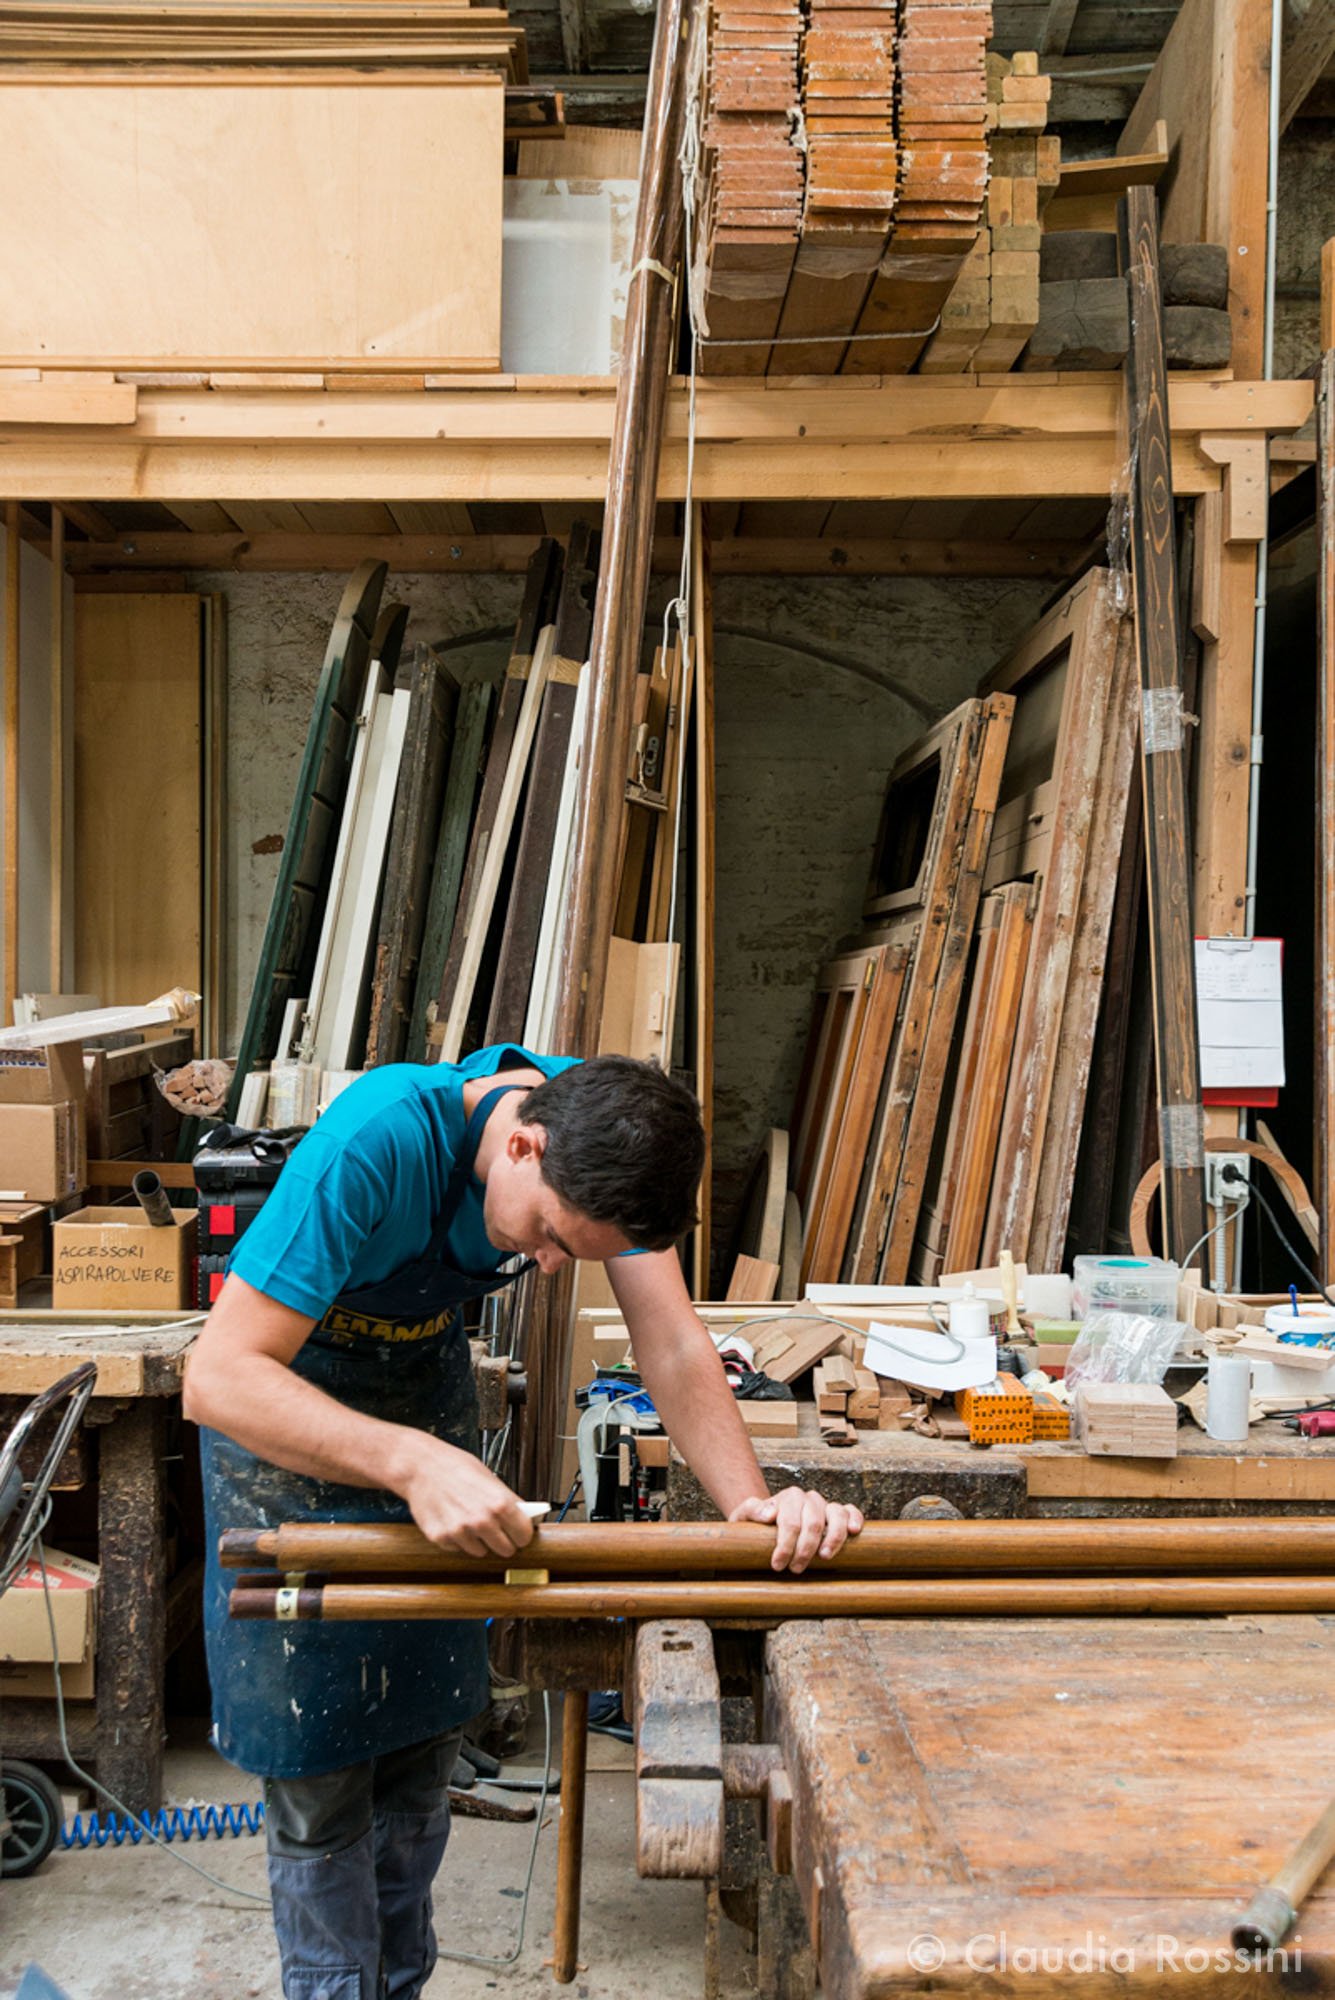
x=1146, y=1285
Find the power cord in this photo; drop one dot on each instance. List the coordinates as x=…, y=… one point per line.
x=1229, y=1175
x=86, y=1778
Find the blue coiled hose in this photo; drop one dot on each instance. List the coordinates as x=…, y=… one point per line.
x=172, y=1823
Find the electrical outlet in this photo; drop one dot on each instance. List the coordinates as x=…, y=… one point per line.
x=1221, y=1193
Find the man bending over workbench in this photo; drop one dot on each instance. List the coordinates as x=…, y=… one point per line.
x=335, y=1384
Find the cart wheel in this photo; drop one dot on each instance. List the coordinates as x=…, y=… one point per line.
x=32, y=1819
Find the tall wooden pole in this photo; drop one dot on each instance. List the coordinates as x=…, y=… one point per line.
x=614, y=651
x=1163, y=761
x=56, y=972
x=1324, y=1092
x=11, y=712
x=628, y=528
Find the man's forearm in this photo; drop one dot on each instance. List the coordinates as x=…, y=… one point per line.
x=685, y=1377
x=281, y=1418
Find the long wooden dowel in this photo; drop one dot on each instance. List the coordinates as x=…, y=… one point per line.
x=10, y=954
x=570, y=1835
x=827, y=1597
x=628, y=532
x=883, y=1547
x=58, y=785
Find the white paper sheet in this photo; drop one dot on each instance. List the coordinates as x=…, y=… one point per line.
x=1240, y=1012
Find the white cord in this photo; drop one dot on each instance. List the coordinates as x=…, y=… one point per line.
x=479, y=1958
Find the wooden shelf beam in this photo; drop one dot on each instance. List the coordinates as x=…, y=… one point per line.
x=741, y=555
x=910, y=439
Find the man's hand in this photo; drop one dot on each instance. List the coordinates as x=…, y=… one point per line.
x=457, y=1503
x=807, y=1525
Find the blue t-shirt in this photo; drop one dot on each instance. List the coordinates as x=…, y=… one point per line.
x=359, y=1197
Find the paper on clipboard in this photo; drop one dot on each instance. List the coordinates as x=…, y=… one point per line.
x=1240, y=1011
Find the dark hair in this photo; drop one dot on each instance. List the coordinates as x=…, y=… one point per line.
x=625, y=1146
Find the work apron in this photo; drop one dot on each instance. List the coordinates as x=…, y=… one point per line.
x=296, y=1700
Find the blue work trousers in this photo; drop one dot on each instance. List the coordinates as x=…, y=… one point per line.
x=352, y=1857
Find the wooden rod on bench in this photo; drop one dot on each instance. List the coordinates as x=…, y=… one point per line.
x=883, y=1548
x=826, y=1597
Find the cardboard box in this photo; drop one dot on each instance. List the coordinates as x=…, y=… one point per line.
x=25, y=1632
x=27, y=1680
x=113, y=1259
x=42, y=1076
x=42, y=1152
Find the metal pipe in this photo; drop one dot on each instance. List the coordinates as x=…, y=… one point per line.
x=570, y=1835
x=152, y=1198
x=855, y=1597
x=883, y=1547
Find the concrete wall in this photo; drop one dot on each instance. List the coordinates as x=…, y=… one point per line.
x=1306, y=219
x=821, y=683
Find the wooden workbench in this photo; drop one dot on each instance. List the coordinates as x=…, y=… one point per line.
x=1276, y=1472
x=141, y=1616
x=1011, y=1795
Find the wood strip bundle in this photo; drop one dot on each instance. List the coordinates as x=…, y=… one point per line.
x=752, y=197
x=943, y=140
x=1126, y=1420
x=197, y=34
x=852, y=177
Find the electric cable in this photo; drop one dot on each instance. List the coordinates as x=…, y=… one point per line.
x=1229, y=1173
x=86, y=1778
x=510, y=1957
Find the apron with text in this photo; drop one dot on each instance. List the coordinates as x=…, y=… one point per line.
x=296, y=1700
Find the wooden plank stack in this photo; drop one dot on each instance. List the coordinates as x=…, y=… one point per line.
x=941, y=1100
x=752, y=201
x=287, y=34
x=1126, y=1420
x=943, y=188
x=994, y=305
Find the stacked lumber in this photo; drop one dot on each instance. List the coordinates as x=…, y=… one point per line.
x=994, y=306
x=868, y=1096
x=943, y=186
x=751, y=203
x=1126, y=1420
x=1013, y=1103
x=287, y=34
x=848, y=79
x=941, y=1100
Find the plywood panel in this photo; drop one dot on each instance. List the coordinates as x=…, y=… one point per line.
x=137, y=795
x=270, y=224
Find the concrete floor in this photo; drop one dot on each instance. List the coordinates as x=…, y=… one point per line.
x=128, y=1924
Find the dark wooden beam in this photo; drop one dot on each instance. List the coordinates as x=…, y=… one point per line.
x=1324, y=1081
x=1307, y=47
x=738, y=555
x=1163, y=729
x=1056, y=29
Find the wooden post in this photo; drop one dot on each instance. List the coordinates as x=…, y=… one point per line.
x=702, y=627
x=1167, y=856
x=56, y=970
x=13, y=550
x=623, y=576
x=570, y=1834
x=1324, y=1080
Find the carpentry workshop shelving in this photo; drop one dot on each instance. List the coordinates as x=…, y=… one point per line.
x=843, y=684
